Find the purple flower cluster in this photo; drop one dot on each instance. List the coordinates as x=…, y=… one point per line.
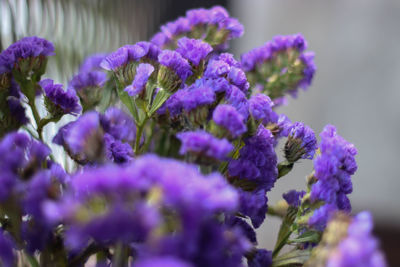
x=257, y=56
x=360, y=247
x=183, y=179
x=7, y=245
x=143, y=72
x=333, y=170
x=27, y=47
x=227, y=117
x=129, y=53
x=89, y=79
x=193, y=50
x=138, y=197
x=175, y=62
x=204, y=144
x=60, y=101
x=297, y=64
x=197, y=24
x=293, y=197
x=95, y=137
x=301, y=143
x=260, y=107
x=255, y=172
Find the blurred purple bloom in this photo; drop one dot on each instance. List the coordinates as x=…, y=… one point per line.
x=360, y=247
x=262, y=258
x=118, y=124
x=116, y=151
x=203, y=143
x=92, y=63
x=7, y=245
x=84, y=80
x=80, y=132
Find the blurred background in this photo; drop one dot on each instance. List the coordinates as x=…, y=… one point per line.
x=356, y=86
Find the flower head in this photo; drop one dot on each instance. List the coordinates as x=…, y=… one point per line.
x=333, y=169
x=193, y=50
x=227, y=117
x=301, y=143
x=143, y=72
x=58, y=101
x=203, y=143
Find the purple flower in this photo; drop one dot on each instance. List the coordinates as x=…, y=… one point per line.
x=175, y=62
x=254, y=205
x=135, y=52
x=116, y=151
x=7, y=245
x=151, y=50
x=174, y=104
x=20, y=156
x=237, y=98
x=216, y=69
x=284, y=53
x=321, y=216
x=237, y=77
x=92, y=63
x=115, y=59
x=143, y=72
x=301, y=143
x=293, y=197
x=118, y=124
x=230, y=119
x=359, y=247
x=81, y=132
x=89, y=79
x=27, y=47
x=197, y=95
x=307, y=60
x=262, y=258
x=255, y=171
x=203, y=143
x=166, y=261
x=260, y=107
x=67, y=101
x=44, y=186
x=99, y=203
x=193, y=50
x=229, y=59
x=333, y=169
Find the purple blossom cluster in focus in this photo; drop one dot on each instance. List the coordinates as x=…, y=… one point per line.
x=170, y=157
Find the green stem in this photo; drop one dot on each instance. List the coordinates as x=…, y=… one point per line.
x=150, y=137
x=36, y=116
x=139, y=131
x=281, y=244
x=32, y=260
x=121, y=254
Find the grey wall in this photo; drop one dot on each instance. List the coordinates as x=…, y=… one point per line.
x=356, y=88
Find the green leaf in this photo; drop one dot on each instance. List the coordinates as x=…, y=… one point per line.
x=309, y=236
x=159, y=100
x=284, y=168
x=285, y=230
x=292, y=258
